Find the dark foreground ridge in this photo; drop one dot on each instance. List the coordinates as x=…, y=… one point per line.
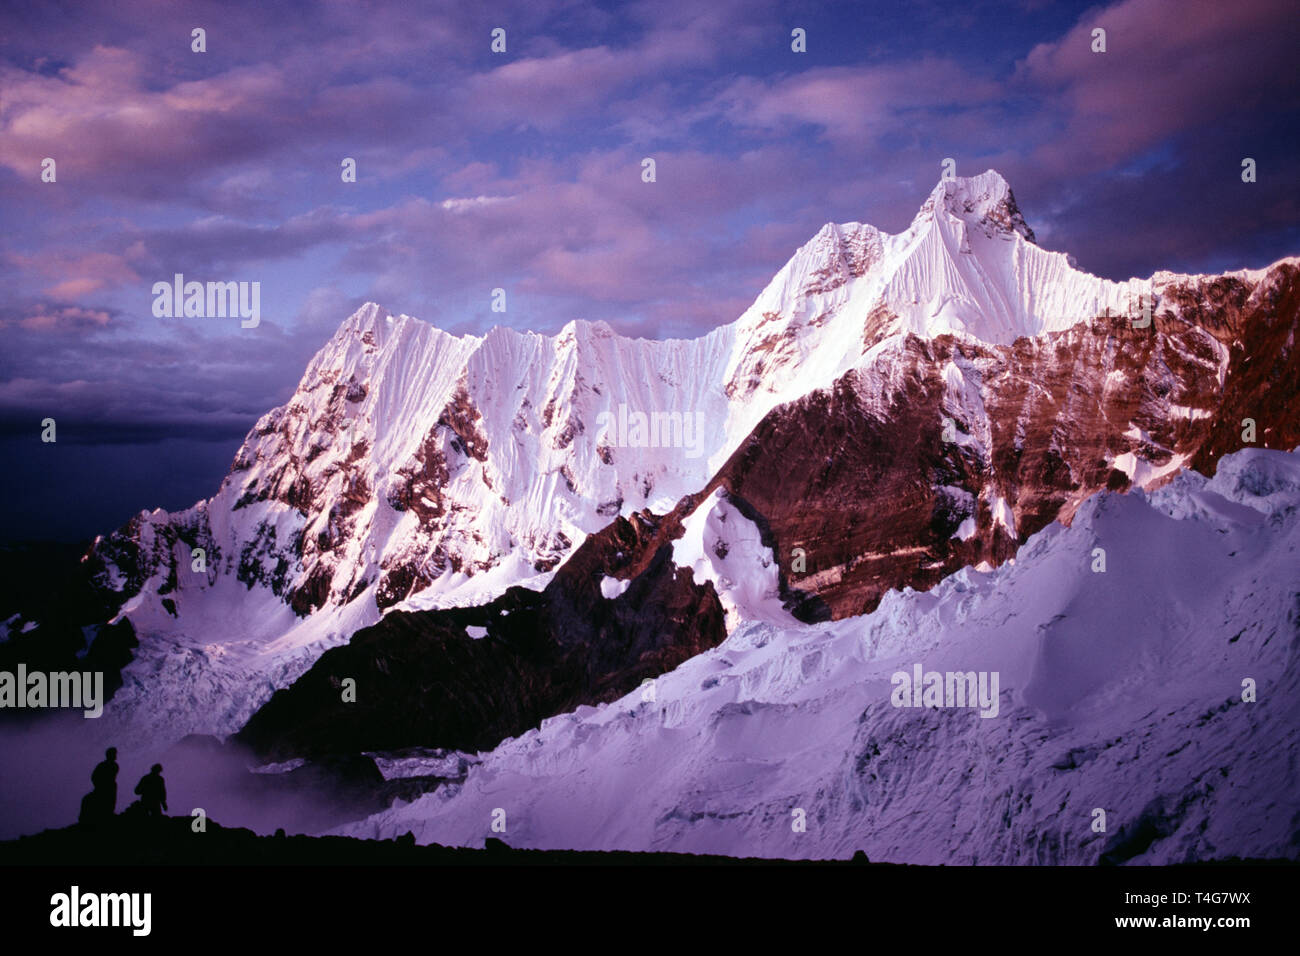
x=171, y=841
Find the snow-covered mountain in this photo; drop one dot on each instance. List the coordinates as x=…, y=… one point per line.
x=979, y=385
x=1158, y=682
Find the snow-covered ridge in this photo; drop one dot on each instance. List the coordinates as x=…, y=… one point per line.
x=413, y=468
x=425, y=460
x=1121, y=689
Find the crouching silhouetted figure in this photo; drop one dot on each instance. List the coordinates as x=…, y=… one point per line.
x=99, y=805
x=152, y=792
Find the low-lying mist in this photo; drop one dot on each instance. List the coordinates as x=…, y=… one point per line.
x=45, y=767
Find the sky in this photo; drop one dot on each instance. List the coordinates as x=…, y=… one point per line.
x=522, y=170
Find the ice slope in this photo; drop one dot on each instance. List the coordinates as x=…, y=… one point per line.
x=1121, y=690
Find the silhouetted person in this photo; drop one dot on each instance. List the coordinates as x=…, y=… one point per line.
x=101, y=802
x=152, y=792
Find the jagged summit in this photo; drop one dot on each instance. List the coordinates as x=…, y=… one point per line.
x=985, y=200
x=841, y=254
x=968, y=264
x=370, y=317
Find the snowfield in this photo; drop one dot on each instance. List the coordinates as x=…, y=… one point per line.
x=1122, y=692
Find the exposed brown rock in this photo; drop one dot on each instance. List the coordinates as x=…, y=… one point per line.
x=421, y=679
x=857, y=476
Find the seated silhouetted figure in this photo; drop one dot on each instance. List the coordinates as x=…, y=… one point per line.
x=153, y=792
x=100, y=804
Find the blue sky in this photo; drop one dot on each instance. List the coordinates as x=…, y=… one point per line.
x=521, y=170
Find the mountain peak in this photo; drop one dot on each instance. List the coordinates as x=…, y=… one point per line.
x=985, y=199
x=366, y=318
